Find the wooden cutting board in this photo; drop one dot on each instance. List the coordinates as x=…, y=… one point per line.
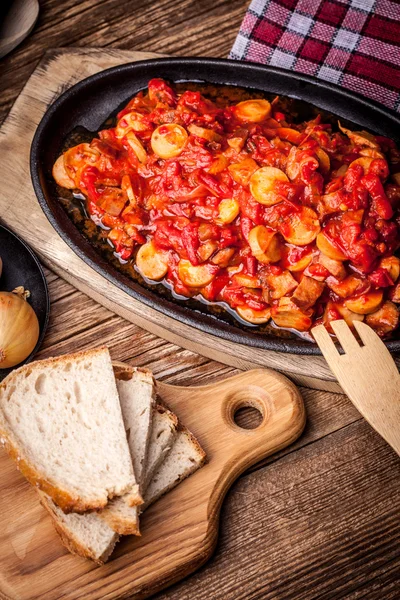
x=20, y=211
x=179, y=532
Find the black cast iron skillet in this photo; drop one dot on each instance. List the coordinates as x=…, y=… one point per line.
x=91, y=101
x=21, y=267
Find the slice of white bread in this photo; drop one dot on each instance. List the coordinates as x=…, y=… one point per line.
x=86, y=535
x=137, y=398
x=94, y=538
x=136, y=393
x=61, y=421
x=185, y=457
x=162, y=437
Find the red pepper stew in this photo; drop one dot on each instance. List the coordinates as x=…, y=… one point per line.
x=238, y=204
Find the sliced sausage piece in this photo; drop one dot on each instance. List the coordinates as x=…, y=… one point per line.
x=169, y=140
x=195, y=276
x=263, y=185
x=329, y=248
x=257, y=317
x=253, y=111
x=302, y=227
x=264, y=244
x=151, y=262
x=228, y=210
x=365, y=303
x=61, y=176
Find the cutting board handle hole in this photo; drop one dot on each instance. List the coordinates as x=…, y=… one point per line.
x=248, y=417
x=248, y=408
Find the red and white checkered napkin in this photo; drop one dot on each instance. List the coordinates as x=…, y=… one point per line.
x=353, y=43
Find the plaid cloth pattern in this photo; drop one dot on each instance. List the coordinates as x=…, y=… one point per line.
x=353, y=43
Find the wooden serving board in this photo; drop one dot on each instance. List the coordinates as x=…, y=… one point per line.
x=179, y=532
x=20, y=211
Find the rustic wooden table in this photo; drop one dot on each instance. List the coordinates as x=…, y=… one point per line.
x=321, y=519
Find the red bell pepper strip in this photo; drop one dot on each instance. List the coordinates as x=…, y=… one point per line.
x=160, y=91
x=245, y=225
x=381, y=278
x=380, y=202
x=218, y=189
x=190, y=239
x=89, y=177
x=251, y=265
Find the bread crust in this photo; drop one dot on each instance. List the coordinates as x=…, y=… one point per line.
x=119, y=524
x=70, y=541
x=67, y=501
x=125, y=372
x=195, y=442
x=65, y=358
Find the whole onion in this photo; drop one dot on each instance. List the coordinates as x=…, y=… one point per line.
x=19, y=328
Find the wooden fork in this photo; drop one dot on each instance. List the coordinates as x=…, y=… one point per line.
x=367, y=374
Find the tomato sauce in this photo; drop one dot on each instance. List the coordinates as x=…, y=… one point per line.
x=235, y=201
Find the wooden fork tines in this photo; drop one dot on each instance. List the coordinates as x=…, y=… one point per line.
x=367, y=374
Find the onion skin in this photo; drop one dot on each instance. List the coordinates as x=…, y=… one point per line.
x=19, y=329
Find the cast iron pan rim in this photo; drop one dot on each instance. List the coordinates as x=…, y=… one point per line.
x=46, y=291
x=184, y=314
x=245, y=66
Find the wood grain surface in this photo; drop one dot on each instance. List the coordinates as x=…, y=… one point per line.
x=318, y=520
x=36, y=567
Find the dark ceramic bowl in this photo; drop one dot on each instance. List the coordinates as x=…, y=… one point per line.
x=91, y=101
x=21, y=267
